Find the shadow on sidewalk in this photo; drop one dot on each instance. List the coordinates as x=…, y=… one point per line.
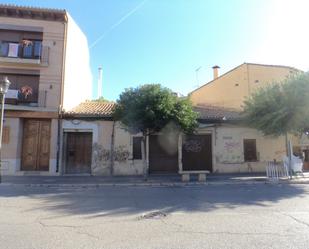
x=113, y=201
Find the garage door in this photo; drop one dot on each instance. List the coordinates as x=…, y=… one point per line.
x=163, y=154
x=196, y=152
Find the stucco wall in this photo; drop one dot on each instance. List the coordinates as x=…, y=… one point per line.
x=224, y=90
x=228, y=149
x=123, y=140
x=230, y=89
x=102, y=137
x=11, y=152
x=77, y=76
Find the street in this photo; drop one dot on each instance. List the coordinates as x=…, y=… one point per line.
x=207, y=216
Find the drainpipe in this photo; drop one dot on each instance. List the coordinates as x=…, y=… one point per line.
x=65, y=23
x=58, y=144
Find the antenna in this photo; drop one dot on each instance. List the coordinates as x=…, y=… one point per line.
x=100, y=82
x=196, y=75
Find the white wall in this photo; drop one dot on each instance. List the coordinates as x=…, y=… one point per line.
x=77, y=75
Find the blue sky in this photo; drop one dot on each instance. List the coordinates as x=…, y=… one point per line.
x=164, y=41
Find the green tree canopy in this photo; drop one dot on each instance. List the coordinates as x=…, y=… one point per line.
x=281, y=107
x=102, y=99
x=151, y=107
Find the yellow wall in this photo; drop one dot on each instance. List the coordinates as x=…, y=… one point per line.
x=231, y=88
x=228, y=150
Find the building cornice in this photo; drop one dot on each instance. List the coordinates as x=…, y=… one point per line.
x=46, y=14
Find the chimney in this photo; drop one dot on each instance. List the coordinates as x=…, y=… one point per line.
x=100, y=82
x=215, y=70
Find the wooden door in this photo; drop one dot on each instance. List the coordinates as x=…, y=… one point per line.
x=78, y=152
x=163, y=154
x=36, y=145
x=196, y=152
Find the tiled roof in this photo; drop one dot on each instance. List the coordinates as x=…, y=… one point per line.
x=97, y=109
x=215, y=113
x=92, y=109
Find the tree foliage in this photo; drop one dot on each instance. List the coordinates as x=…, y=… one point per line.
x=281, y=107
x=151, y=107
x=102, y=99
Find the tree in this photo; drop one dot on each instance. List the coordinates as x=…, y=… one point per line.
x=151, y=108
x=102, y=99
x=281, y=107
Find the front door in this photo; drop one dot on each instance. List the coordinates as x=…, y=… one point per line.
x=78, y=152
x=163, y=154
x=36, y=145
x=196, y=152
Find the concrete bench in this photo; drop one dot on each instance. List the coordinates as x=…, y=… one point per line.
x=185, y=175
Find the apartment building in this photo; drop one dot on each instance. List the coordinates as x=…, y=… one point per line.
x=45, y=56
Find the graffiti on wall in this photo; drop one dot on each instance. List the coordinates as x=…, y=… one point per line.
x=231, y=152
x=193, y=146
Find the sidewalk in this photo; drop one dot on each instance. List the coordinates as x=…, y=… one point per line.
x=152, y=180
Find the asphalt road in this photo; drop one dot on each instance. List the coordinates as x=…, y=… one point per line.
x=223, y=216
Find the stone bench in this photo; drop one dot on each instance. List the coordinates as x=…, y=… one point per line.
x=185, y=175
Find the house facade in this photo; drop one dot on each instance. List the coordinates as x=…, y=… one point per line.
x=90, y=135
x=49, y=72
x=220, y=144
x=244, y=149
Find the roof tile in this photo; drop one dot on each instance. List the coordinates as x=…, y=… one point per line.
x=93, y=108
x=209, y=112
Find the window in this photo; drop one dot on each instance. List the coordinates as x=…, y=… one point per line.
x=137, y=148
x=250, y=150
x=32, y=49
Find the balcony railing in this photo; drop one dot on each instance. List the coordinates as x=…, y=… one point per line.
x=32, y=52
x=18, y=97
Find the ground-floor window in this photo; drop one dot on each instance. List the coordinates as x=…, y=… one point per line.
x=250, y=150
x=137, y=148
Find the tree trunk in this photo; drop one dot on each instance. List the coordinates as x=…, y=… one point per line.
x=144, y=156
x=288, y=154
x=112, y=150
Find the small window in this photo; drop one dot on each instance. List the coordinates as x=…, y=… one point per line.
x=250, y=150
x=137, y=148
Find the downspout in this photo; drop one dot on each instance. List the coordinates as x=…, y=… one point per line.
x=60, y=109
x=58, y=143
x=112, y=150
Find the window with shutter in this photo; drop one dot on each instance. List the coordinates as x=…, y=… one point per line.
x=137, y=148
x=250, y=150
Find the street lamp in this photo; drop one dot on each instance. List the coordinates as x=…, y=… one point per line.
x=4, y=86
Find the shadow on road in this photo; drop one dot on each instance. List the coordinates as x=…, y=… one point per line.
x=113, y=201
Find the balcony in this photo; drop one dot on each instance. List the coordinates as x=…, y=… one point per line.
x=24, y=90
x=25, y=52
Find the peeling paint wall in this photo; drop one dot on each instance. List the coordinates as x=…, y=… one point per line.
x=101, y=148
x=228, y=149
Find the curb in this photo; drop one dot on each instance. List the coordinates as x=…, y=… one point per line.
x=176, y=184
x=153, y=184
